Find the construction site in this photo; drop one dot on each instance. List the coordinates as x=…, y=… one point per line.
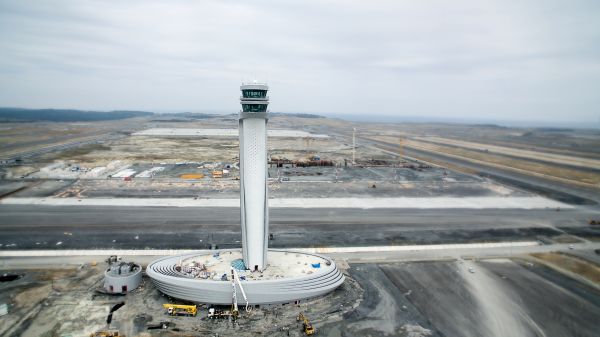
x=308, y=168
x=418, y=236
x=377, y=299
x=77, y=296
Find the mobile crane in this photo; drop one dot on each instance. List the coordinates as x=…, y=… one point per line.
x=234, y=312
x=234, y=275
x=180, y=310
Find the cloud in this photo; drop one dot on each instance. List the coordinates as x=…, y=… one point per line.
x=494, y=59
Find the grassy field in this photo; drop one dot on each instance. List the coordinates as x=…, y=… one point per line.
x=588, y=270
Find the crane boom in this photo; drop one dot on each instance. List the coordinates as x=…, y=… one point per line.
x=237, y=278
x=234, y=299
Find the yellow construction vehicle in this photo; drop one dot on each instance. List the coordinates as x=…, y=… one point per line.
x=309, y=330
x=180, y=310
x=107, y=333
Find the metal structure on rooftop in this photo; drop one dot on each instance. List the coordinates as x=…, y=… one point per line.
x=122, y=277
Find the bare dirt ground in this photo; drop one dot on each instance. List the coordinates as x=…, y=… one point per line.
x=526, y=149
x=61, y=302
x=128, y=149
x=496, y=297
x=22, y=137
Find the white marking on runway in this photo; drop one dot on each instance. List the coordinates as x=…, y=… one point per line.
x=361, y=203
x=167, y=252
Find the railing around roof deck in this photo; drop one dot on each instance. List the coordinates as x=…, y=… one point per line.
x=261, y=98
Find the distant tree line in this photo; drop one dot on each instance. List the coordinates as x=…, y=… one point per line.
x=299, y=115
x=188, y=115
x=65, y=115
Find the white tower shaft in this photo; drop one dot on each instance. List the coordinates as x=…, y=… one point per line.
x=253, y=176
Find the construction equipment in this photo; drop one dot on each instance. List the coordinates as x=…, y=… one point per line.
x=180, y=310
x=192, y=176
x=309, y=330
x=219, y=313
x=234, y=311
x=217, y=174
x=234, y=276
x=234, y=307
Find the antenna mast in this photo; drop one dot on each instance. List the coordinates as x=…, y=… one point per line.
x=353, y=146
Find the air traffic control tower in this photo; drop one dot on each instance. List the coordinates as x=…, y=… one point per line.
x=289, y=276
x=253, y=175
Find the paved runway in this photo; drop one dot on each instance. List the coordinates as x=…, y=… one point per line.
x=81, y=227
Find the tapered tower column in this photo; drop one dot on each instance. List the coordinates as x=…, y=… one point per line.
x=253, y=175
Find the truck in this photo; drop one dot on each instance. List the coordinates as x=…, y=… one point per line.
x=180, y=310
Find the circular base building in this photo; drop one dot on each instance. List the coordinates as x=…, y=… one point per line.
x=206, y=277
x=122, y=277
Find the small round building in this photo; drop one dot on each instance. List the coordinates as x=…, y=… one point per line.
x=122, y=277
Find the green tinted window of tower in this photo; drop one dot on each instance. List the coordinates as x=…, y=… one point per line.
x=254, y=107
x=254, y=93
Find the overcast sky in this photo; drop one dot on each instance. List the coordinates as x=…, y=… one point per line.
x=502, y=60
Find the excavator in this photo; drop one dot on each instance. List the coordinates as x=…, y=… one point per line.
x=309, y=330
